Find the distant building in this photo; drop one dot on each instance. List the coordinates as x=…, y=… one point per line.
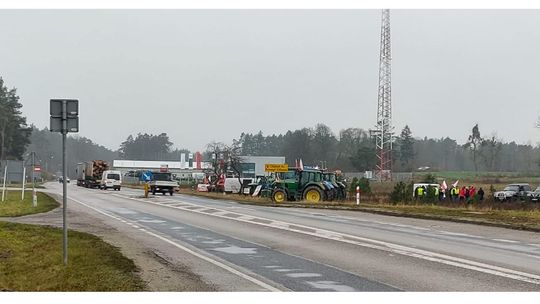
x=176, y=167
x=253, y=166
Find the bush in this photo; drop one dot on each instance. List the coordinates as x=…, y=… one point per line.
x=363, y=183
x=402, y=193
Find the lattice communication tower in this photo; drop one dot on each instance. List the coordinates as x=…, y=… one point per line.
x=384, y=132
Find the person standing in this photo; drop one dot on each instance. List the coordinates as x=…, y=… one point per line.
x=472, y=193
x=481, y=194
x=462, y=194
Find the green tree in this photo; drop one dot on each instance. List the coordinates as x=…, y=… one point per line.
x=491, y=149
x=364, y=159
x=14, y=134
x=146, y=147
x=406, y=148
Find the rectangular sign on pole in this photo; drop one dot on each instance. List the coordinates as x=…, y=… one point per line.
x=276, y=167
x=64, y=119
x=37, y=168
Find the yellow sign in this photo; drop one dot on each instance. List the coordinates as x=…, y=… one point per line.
x=276, y=167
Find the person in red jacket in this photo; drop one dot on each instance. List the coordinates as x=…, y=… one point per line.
x=472, y=192
x=462, y=193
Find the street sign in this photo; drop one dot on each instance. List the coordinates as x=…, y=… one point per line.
x=276, y=167
x=71, y=115
x=72, y=107
x=37, y=168
x=72, y=124
x=146, y=176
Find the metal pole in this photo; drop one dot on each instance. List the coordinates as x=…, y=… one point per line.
x=4, y=186
x=23, y=181
x=34, y=196
x=64, y=180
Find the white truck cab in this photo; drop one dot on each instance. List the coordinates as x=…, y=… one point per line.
x=111, y=179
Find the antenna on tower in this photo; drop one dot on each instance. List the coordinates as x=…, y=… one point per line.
x=384, y=131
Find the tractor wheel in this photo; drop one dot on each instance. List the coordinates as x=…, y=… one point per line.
x=313, y=194
x=279, y=196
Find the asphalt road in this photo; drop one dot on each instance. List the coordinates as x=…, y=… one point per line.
x=250, y=248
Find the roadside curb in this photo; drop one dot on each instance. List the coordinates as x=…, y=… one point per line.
x=381, y=212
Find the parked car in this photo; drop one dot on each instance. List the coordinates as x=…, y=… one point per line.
x=514, y=192
x=61, y=180
x=535, y=195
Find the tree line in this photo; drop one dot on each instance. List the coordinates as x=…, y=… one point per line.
x=352, y=149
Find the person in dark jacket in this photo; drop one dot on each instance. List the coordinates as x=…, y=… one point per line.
x=480, y=194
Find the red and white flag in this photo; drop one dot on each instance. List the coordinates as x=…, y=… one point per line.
x=455, y=184
x=444, y=186
x=301, y=165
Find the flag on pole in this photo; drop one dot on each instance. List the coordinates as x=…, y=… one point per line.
x=455, y=184
x=444, y=186
x=301, y=165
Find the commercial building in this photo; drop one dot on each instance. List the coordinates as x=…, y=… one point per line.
x=253, y=166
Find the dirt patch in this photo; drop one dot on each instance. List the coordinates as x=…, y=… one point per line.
x=156, y=270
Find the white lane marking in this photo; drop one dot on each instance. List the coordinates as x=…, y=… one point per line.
x=236, y=250
x=331, y=285
x=304, y=275
x=505, y=241
x=286, y=270
x=379, y=245
x=196, y=254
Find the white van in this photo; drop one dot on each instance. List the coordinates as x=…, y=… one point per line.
x=111, y=179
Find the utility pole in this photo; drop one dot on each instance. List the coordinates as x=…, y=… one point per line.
x=384, y=131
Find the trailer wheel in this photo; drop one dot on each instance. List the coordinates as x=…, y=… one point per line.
x=171, y=192
x=153, y=191
x=313, y=194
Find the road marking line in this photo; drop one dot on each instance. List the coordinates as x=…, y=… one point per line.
x=212, y=261
x=506, y=241
x=378, y=245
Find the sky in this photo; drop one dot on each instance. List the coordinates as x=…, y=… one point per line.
x=209, y=75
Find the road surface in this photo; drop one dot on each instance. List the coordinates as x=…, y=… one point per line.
x=237, y=247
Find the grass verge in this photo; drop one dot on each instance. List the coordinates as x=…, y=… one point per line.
x=514, y=219
x=31, y=260
x=13, y=206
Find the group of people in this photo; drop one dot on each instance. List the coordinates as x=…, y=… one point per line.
x=455, y=194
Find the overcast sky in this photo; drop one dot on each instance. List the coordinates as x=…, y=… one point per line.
x=201, y=76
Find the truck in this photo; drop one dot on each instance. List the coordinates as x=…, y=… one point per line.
x=162, y=182
x=89, y=174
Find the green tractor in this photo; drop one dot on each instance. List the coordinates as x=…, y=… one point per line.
x=298, y=185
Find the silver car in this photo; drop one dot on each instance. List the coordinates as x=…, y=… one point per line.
x=514, y=192
x=535, y=196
